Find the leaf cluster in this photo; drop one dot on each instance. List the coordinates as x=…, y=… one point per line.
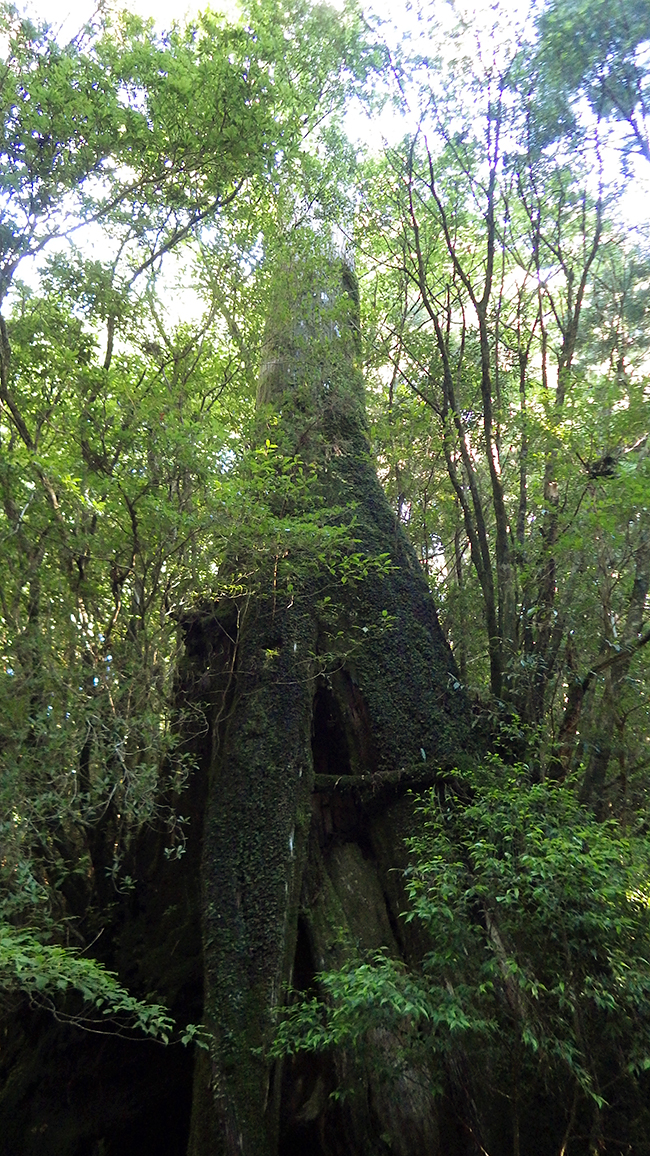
x=538, y=919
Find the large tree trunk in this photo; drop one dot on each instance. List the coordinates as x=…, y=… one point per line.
x=324, y=704
x=333, y=708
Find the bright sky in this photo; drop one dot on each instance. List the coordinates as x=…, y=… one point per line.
x=72, y=14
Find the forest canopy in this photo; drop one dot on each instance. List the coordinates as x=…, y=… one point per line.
x=152, y=185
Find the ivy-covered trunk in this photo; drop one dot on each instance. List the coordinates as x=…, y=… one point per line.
x=339, y=693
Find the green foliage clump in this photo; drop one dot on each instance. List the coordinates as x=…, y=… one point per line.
x=538, y=969
x=48, y=974
x=542, y=913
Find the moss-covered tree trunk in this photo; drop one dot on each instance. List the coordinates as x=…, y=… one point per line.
x=327, y=692
x=337, y=696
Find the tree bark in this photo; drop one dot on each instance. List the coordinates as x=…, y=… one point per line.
x=321, y=689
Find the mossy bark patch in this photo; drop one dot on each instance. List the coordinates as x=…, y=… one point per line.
x=253, y=858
